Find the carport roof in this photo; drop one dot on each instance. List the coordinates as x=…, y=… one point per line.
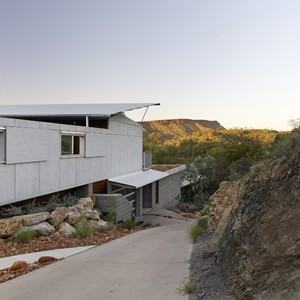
x=139, y=179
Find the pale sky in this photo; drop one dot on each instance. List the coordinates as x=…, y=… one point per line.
x=235, y=61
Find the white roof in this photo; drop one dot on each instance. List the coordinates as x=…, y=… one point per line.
x=97, y=109
x=140, y=178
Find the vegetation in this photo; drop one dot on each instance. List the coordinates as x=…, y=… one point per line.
x=195, y=232
x=24, y=235
x=129, y=224
x=187, y=288
x=201, y=175
x=198, y=228
x=33, y=207
x=111, y=216
x=13, y=211
x=83, y=229
x=203, y=222
x=233, y=152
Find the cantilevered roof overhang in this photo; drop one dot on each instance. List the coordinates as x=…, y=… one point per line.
x=103, y=110
x=139, y=179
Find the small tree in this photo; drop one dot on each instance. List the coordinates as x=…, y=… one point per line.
x=294, y=123
x=200, y=174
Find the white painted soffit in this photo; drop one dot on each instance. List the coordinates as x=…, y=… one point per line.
x=139, y=179
x=96, y=109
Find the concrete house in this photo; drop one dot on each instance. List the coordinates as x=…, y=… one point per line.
x=87, y=148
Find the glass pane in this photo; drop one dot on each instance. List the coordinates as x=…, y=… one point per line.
x=66, y=144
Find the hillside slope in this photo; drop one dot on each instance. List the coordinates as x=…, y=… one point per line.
x=179, y=128
x=256, y=223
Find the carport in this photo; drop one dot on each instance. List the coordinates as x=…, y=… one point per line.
x=139, y=188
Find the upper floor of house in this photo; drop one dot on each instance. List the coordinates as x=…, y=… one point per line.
x=44, y=149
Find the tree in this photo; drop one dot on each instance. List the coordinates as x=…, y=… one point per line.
x=200, y=174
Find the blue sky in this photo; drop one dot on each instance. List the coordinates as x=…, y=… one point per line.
x=235, y=61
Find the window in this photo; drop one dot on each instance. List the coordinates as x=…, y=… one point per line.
x=72, y=143
x=2, y=145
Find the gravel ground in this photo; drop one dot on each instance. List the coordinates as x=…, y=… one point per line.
x=204, y=272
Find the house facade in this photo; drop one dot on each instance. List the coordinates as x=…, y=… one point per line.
x=94, y=149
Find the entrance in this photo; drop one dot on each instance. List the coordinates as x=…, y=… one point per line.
x=147, y=196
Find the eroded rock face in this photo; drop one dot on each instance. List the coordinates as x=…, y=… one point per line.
x=224, y=202
x=260, y=247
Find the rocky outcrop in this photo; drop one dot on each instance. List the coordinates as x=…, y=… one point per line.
x=257, y=223
x=224, y=203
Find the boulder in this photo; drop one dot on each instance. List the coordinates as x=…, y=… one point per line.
x=74, y=216
x=58, y=216
x=96, y=224
x=43, y=228
x=86, y=202
x=65, y=229
x=9, y=226
x=21, y=264
x=46, y=259
x=33, y=219
x=91, y=214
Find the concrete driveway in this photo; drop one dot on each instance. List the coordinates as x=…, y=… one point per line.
x=149, y=264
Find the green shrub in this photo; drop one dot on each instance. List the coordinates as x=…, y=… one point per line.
x=24, y=235
x=83, y=230
x=187, y=288
x=33, y=208
x=111, y=216
x=195, y=232
x=13, y=210
x=69, y=200
x=203, y=222
x=129, y=224
x=53, y=202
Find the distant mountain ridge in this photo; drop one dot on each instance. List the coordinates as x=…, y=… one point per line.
x=179, y=128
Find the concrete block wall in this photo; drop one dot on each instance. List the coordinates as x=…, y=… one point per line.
x=117, y=202
x=170, y=188
x=33, y=165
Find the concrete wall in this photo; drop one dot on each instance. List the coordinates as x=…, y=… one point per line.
x=117, y=202
x=34, y=166
x=170, y=188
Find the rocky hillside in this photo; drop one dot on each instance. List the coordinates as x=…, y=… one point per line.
x=178, y=127
x=256, y=225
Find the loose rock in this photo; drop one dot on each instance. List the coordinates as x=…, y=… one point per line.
x=19, y=265
x=58, y=216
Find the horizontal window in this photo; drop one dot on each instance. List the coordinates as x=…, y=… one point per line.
x=2, y=145
x=72, y=143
